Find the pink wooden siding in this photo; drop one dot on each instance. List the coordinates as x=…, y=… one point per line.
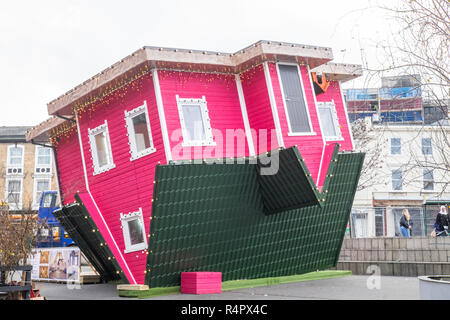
x=71, y=173
x=333, y=93
x=325, y=163
x=129, y=185
x=259, y=110
x=224, y=111
x=310, y=146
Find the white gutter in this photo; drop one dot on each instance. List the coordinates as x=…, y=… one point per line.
x=346, y=115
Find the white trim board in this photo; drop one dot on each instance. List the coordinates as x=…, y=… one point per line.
x=273, y=104
x=315, y=103
x=82, y=152
x=162, y=117
x=344, y=103
x=248, y=131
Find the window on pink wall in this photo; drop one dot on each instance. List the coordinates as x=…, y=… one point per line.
x=101, y=149
x=139, y=132
x=329, y=120
x=195, y=122
x=133, y=231
x=297, y=113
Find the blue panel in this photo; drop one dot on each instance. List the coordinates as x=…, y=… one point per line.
x=355, y=116
x=401, y=116
x=395, y=93
x=360, y=94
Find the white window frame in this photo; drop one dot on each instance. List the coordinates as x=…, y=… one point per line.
x=14, y=206
x=292, y=133
x=399, y=146
x=427, y=147
x=209, y=140
x=125, y=218
x=37, y=201
x=401, y=180
x=15, y=166
x=129, y=115
x=428, y=180
x=332, y=106
x=92, y=133
x=36, y=165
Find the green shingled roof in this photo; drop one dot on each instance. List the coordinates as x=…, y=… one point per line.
x=215, y=217
x=77, y=222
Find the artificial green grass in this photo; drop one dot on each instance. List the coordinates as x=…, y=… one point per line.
x=154, y=292
x=240, y=284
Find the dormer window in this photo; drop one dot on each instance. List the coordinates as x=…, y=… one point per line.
x=195, y=123
x=139, y=132
x=101, y=149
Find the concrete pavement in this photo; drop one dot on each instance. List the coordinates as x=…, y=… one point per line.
x=346, y=288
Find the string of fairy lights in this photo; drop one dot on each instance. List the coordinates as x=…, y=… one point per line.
x=116, y=91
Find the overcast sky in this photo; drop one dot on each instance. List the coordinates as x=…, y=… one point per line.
x=50, y=46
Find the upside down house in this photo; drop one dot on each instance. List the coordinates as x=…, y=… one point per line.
x=176, y=160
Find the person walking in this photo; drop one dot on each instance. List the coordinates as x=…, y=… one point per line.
x=405, y=226
x=442, y=222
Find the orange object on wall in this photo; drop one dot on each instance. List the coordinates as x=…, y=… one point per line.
x=320, y=86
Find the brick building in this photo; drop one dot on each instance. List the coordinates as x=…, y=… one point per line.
x=25, y=170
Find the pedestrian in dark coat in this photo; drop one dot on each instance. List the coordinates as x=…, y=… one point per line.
x=442, y=222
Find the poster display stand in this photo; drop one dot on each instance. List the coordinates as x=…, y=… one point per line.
x=56, y=264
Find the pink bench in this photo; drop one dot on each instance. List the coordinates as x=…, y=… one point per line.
x=201, y=282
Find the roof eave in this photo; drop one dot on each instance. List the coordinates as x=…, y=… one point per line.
x=12, y=139
x=192, y=60
x=339, y=71
x=40, y=133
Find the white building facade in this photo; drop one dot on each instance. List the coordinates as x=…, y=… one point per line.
x=413, y=173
